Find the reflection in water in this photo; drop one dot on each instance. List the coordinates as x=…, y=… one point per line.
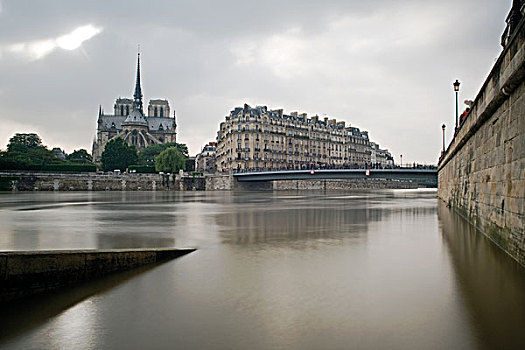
x=293, y=219
x=302, y=270
x=31, y=312
x=492, y=284
x=249, y=226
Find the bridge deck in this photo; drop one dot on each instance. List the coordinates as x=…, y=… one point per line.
x=424, y=176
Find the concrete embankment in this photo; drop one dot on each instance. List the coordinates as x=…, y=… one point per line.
x=482, y=173
x=24, y=273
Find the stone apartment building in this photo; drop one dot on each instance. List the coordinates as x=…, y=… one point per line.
x=129, y=122
x=205, y=161
x=255, y=138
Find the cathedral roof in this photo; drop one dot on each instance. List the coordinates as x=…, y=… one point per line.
x=135, y=117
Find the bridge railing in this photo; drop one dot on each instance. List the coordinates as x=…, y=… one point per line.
x=316, y=168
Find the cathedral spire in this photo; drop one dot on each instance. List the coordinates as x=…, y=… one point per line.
x=137, y=97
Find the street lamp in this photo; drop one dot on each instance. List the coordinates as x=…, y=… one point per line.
x=456, y=90
x=401, y=156
x=443, y=128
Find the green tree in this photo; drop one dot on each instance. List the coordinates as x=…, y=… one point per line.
x=170, y=161
x=25, y=151
x=147, y=155
x=118, y=155
x=79, y=156
x=24, y=141
x=182, y=148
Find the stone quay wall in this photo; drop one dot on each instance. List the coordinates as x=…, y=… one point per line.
x=341, y=184
x=24, y=273
x=482, y=173
x=219, y=182
x=227, y=183
x=41, y=181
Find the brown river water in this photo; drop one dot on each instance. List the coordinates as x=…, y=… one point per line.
x=391, y=269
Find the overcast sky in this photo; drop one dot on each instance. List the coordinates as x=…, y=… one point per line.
x=385, y=66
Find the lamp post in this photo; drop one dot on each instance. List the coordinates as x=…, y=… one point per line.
x=456, y=90
x=401, y=156
x=443, y=128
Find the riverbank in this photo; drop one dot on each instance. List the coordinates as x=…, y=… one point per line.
x=43, y=181
x=47, y=181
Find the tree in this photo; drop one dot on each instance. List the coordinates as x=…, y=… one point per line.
x=21, y=142
x=147, y=155
x=26, y=140
x=25, y=151
x=79, y=156
x=182, y=148
x=118, y=155
x=170, y=160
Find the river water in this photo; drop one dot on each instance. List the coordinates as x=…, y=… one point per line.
x=391, y=269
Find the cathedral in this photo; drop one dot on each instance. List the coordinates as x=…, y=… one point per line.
x=129, y=122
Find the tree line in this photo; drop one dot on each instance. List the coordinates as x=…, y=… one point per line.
x=26, y=152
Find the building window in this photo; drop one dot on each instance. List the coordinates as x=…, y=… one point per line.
x=121, y=110
x=161, y=112
x=127, y=110
x=155, y=112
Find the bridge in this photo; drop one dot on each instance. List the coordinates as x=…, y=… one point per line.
x=423, y=177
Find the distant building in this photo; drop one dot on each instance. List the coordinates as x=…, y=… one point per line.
x=205, y=161
x=255, y=138
x=129, y=122
x=380, y=158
